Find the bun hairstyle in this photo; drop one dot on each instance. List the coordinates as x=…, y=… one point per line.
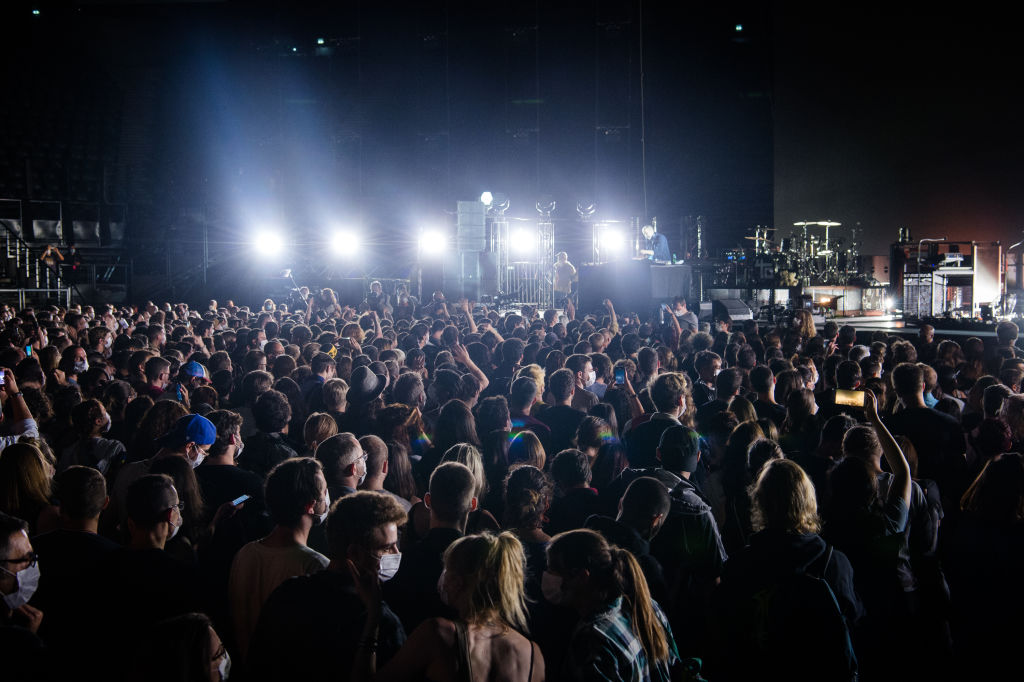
x=527, y=497
x=492, y=569
x=614, y=573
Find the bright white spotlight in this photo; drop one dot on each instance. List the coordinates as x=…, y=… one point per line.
x=432, y=242
x=345, y=243
x=888, y=304
x=268, y=243
x=611, y=241
x=523, y=242
x=320, y=41
x=486, y=198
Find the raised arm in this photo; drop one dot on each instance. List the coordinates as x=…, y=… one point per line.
x=466, y=308
x=893, y=455
x=461, y=355
x=613, y=326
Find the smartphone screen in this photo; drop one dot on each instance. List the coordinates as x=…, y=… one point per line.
x=239, y=500
x=28, y=350
x=849, y=398
x=620, y=375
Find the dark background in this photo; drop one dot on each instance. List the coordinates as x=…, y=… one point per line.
x=229, y=115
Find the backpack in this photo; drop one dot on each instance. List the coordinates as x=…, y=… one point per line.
x=791, y=628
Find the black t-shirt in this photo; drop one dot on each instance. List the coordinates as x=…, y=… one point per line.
x=563, y=422
x=412, y=593
x=222, y=483
x=941, y=448
x=66, y=558
x=773, y=411
x=309, y=628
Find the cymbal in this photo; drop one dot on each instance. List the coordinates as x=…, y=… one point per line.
x=760, y=239
x=826, y=252
x=819, y=223
x=828, y=223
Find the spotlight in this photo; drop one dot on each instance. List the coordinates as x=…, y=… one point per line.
x=611, y=241
x=739, y=28
x=432, y=243
x=825, y=300
x=585, y=209
x=268, y=243
x=35, y=12
x=345, y=243
x=524, y=242
x=888, y=304
x=486, y=198
x=295, y=49
x=320, y=41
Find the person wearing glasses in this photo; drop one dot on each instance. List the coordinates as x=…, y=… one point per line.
x=141, y=584
x=310, y=627
x=21, y=650
x=344, y=464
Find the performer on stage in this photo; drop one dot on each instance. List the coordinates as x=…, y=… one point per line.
x=565, y=273
x=655, y=245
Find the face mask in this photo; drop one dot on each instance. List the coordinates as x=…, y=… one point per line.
x=319, y=519
x=28, y=580
x=106, y=425
x=440, y=589
x=81, y=366
x=551, y=587
x=591, y=378
x=200, y=456
x=717, y=372
x=389, y=564
x=107, y=342
x=263, y=344
x=175, y=529
x=239, y=448
x=224, y=667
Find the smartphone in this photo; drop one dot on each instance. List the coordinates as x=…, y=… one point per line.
x=124, y=324
x=28, y=350
x=620, y=376
x=239, y=500
x=849, y=398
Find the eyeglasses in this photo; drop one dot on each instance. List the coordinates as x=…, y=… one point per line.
x=180, y=506
x=31, y=558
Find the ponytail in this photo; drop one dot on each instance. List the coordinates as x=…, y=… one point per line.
x=646, y=624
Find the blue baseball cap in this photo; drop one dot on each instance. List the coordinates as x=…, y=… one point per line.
x=191, y=428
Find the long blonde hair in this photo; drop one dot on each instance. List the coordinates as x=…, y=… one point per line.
x=783, y=498
x=615, y=573
x=493, y=570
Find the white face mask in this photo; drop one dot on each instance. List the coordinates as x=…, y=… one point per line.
x=28, y=581
x=224, y=667
x=443, y=593
x=591, y=378
x=200, y=456
x=319, y=519
x=106, y=425
x=239, y=448
x=263, y=344
x=551, y=587
x=389, y=564
x=175, y=529
x=81, y=366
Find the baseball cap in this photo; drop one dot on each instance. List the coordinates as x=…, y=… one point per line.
x=194, y=369
x=191, y=428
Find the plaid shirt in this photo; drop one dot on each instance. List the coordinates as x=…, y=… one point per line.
x=604, y=647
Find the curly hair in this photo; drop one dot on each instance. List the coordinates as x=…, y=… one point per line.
x=783, y=499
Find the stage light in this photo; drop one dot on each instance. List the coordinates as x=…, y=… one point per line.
x=888, y=304
x=432, y=243
x=345, y=243
x=739, y=27
x=268, y=243
x=486, y=198
x=524, y=242
x=295, y=49
x=825, y=300
x=611, y=241
x=35, y=12
x=320, y=41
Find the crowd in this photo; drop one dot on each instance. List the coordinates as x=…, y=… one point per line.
x=434, y=490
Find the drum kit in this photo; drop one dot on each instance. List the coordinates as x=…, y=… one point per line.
x=812, y=254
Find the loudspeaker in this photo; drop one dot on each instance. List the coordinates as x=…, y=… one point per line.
x=733, y=307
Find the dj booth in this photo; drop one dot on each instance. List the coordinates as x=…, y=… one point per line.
x=636, y=285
